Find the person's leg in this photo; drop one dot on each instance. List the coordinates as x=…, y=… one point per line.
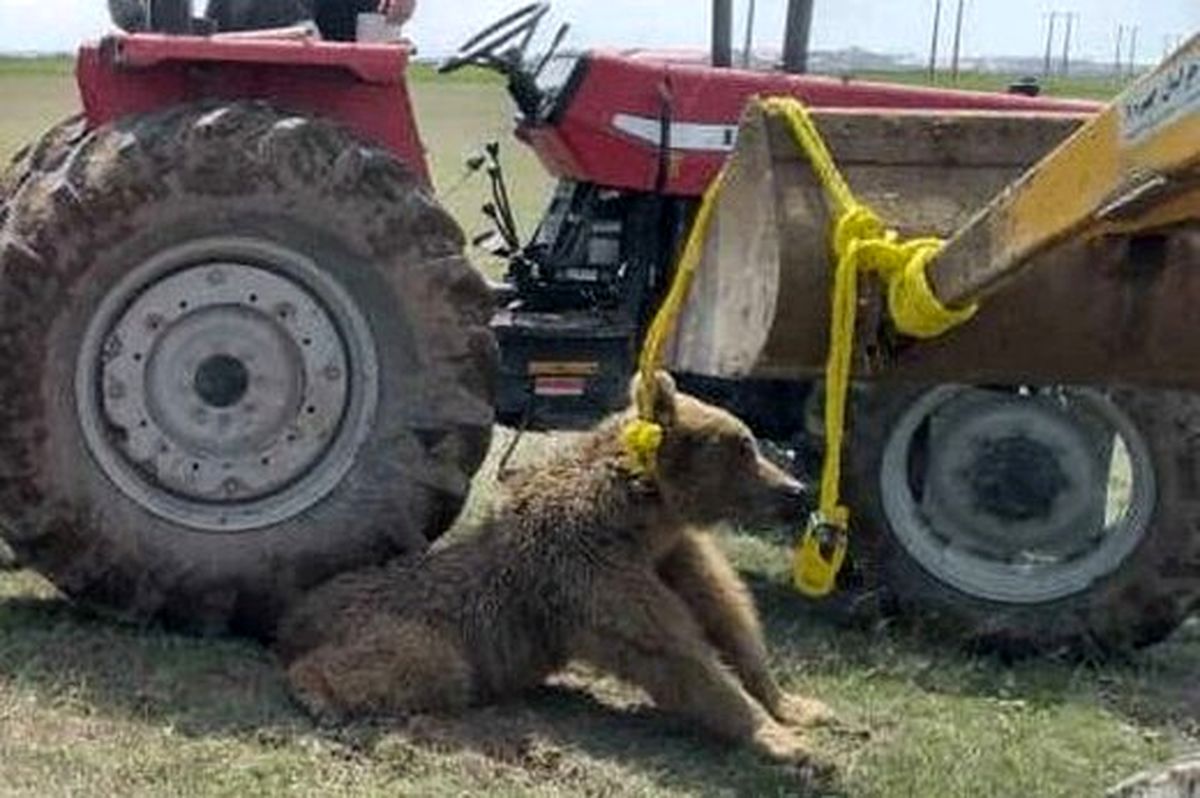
x=130, y=15
x=338, y=19
x=241, y=15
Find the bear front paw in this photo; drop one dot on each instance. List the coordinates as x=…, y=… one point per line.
x=802, y=712
x=782, y=744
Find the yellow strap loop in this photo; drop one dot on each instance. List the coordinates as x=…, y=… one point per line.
x=643, y=437
x=861, y=243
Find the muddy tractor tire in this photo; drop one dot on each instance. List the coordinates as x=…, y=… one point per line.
x=1032, y=520
x=242, y=352
x=43, y=155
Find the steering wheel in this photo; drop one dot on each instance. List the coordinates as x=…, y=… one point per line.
x=488, y=47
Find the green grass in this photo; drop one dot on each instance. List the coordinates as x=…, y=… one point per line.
x=94, y=708
x=1089, y=88
x=18, y=66
x=33, y=96
x=88, y=707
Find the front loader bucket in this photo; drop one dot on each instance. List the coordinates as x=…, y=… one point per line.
x=760, y=302
x=1081, y=257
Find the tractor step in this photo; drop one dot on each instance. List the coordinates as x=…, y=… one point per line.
x=561, y=369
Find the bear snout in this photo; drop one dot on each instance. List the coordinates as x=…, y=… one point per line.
x=789, y=498
x=798, y=500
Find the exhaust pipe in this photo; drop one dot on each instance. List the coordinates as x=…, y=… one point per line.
x=799, y=29
x=722, y=33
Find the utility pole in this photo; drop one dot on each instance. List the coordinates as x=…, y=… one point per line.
x=796, y=36
x=1133, y=50
x=1049, y=44
x=1117, y=56
x=933, y=43
x=958, y=26
x=1066, y=53
x=746, y=53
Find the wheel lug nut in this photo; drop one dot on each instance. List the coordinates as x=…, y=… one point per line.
x=215, y=277
x=115, y=390
x=112, y=347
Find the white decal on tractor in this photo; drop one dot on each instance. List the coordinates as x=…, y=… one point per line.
x=683, y=135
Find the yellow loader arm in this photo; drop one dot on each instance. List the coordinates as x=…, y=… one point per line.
x=1134, y=167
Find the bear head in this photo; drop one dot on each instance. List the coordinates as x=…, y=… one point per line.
x=709, y=467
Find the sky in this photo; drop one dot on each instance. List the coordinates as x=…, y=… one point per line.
x=992, y=27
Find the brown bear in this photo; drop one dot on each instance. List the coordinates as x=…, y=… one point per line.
x=584, y=559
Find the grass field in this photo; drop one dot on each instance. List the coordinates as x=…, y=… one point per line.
x=89, y=707
x=1087, y=88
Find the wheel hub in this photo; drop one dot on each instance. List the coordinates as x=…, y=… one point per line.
x=221, y=381
x=1014, y=473
x=223, y=395
x=1015, y=479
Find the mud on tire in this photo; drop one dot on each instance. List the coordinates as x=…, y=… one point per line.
x=82, y=209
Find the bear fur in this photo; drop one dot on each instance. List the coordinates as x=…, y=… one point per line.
x=583, y=560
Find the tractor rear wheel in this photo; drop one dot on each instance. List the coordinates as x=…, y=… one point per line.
x=1031, y=520
x=242, y=352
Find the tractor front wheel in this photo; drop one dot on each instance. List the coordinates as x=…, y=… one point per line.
x=242, y=352
x=1031, y=519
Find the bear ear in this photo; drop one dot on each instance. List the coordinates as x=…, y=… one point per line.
x=665, y=394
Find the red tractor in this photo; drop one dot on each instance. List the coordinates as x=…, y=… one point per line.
x=244, y=350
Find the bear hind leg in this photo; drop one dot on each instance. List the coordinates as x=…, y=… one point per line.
x=389, y=669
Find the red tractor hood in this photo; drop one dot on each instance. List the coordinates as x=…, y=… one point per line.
x=606, y=127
